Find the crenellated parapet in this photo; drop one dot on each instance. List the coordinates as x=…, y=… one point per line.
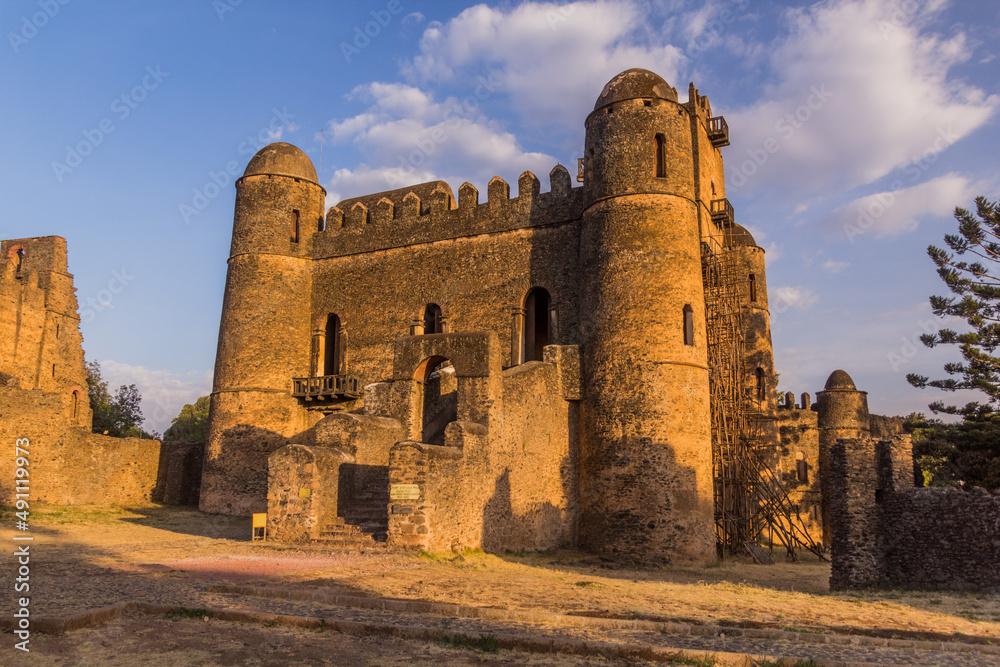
x=428, y=212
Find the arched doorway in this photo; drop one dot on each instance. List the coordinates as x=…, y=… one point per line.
x=536, y=334
x=331, y=356
x=438, y=398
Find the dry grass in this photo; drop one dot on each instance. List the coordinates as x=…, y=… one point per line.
x=737, y=591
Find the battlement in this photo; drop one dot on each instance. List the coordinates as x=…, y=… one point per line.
x=427, y=212
x=786, y=401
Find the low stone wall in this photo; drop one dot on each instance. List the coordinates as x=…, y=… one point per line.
x=79, y=467
x=302, y=490
x=888, y=533
x=941, y=538
x=71, y=465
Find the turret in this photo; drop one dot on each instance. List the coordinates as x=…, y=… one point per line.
x=264, y=336
x=646, y=458
x=842, y=412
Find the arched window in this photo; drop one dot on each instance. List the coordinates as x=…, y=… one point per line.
x=295, y=226
x=801, y=467
x=320, y=224
x=752, y=287
x=432, y=319
x=661, y=157
x=536, y=324
x=76, y=403
x=688, y=325
x=331, y=357
x=20, y=259
x=761, y=384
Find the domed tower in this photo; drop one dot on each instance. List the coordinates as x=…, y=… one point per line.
x=842, y=412
x=264, y=336
x=752, y=281
x=651, y=172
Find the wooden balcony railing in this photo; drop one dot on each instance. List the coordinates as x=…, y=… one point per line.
x=718, y=131
x=723, y=214
x=325, y=387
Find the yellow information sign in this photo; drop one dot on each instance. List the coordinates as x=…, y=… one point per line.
x=404, y=492
x=305, y=492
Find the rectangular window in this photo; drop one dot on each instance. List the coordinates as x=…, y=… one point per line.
x=688, y=325
x=661, y=158
x=295, y=226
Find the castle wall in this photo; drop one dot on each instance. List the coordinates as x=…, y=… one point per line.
x=477, y=262
x=798, y=431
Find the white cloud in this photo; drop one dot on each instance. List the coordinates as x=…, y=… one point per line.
x=898, y=211
x=833, y=267
x=783, y=298
x=859, y=92
x=406, y=137
x=163, y=392
x=546, y=56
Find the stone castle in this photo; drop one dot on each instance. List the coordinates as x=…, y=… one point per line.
x=555, y=369
x=524, y=372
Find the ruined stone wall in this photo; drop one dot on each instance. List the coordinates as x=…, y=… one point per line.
x=888, y=533
x=40, y=341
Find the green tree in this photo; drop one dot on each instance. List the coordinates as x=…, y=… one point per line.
x=191, y=424
x=977, y=286
x=117, y=415
x=962, y=454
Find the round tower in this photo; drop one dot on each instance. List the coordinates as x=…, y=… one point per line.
x=265, y=332
x=646, y=462
x=752, y=290
x=842, y=412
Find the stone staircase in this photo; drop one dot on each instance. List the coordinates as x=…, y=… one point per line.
x=363, y=525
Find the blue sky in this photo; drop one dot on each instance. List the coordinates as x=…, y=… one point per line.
x=857, y=126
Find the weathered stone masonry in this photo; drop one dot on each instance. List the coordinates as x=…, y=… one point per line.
x=888, y=533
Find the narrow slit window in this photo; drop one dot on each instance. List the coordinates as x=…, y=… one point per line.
x=761, y=384
x=20, y=259
x=432, y=319
x=688, y=325
x=661, y=166
x=331, y=355
x=76, y=403
x=320, y=224
x=295, y=226
x=752, y=287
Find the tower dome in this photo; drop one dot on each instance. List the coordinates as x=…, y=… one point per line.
x=635, y=83
x=740, y=236
x=281, y=159
x=840, y=380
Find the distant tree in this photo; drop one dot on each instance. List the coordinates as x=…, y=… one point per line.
x=119, y=415
x=978, y=285
x=191, y=424
x=962, y=454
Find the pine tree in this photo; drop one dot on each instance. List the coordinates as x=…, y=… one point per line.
x=977, y=286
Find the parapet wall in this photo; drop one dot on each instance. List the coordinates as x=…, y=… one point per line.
x=389, y=224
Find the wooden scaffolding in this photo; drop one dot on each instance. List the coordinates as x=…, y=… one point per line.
x=751, y=504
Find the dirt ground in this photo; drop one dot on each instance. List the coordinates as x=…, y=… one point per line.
x=85, y=557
